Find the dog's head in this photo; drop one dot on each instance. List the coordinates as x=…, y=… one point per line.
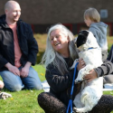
x=86, y=40
x=82, y=38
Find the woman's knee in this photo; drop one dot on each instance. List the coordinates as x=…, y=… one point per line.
x=50, y=103
x=105, y=105
x=41, y=97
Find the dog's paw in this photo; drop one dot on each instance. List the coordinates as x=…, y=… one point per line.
x=78, y=110
x=4, y=95
x=74, y=109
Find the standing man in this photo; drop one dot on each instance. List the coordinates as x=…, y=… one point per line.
x=18, y=51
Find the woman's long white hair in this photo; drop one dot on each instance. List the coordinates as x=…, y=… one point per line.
x=51, y=56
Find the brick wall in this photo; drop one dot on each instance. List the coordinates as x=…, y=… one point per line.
x=59, y=11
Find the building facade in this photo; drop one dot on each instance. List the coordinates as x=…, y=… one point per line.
x=41, y=14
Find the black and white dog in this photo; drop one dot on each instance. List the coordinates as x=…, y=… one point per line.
x=90, y=92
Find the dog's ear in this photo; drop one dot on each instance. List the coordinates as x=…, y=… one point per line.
x=82, y=38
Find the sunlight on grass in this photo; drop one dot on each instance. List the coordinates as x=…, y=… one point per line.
x=24, y=101
x=41, y=71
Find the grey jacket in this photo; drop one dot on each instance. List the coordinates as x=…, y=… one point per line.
x=100, y=32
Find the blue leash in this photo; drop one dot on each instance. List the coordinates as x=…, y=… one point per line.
x=70, y=104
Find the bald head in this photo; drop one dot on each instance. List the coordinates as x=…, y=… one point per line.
x=10, y=4
x=12, y=11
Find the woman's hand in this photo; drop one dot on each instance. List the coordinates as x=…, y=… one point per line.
x=81, y=64
x=92, y=75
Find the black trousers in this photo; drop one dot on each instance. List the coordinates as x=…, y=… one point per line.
x=51, y=104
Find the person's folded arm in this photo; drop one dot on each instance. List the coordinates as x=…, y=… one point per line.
x=58, y=82
x=105, y=69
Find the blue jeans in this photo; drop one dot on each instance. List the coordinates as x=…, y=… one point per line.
x=16, y=83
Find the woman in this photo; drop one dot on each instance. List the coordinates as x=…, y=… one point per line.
x=58, y=58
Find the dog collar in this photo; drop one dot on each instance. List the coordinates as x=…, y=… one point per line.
x=88, y=48
x=91, y=48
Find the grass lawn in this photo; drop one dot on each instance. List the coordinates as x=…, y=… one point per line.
x=24, y=101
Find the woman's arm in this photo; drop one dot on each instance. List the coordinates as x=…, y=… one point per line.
x=58, y=83
x=105, y=69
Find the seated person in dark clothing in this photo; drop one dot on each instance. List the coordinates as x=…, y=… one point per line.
x=18, y=50
x=58, y=58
